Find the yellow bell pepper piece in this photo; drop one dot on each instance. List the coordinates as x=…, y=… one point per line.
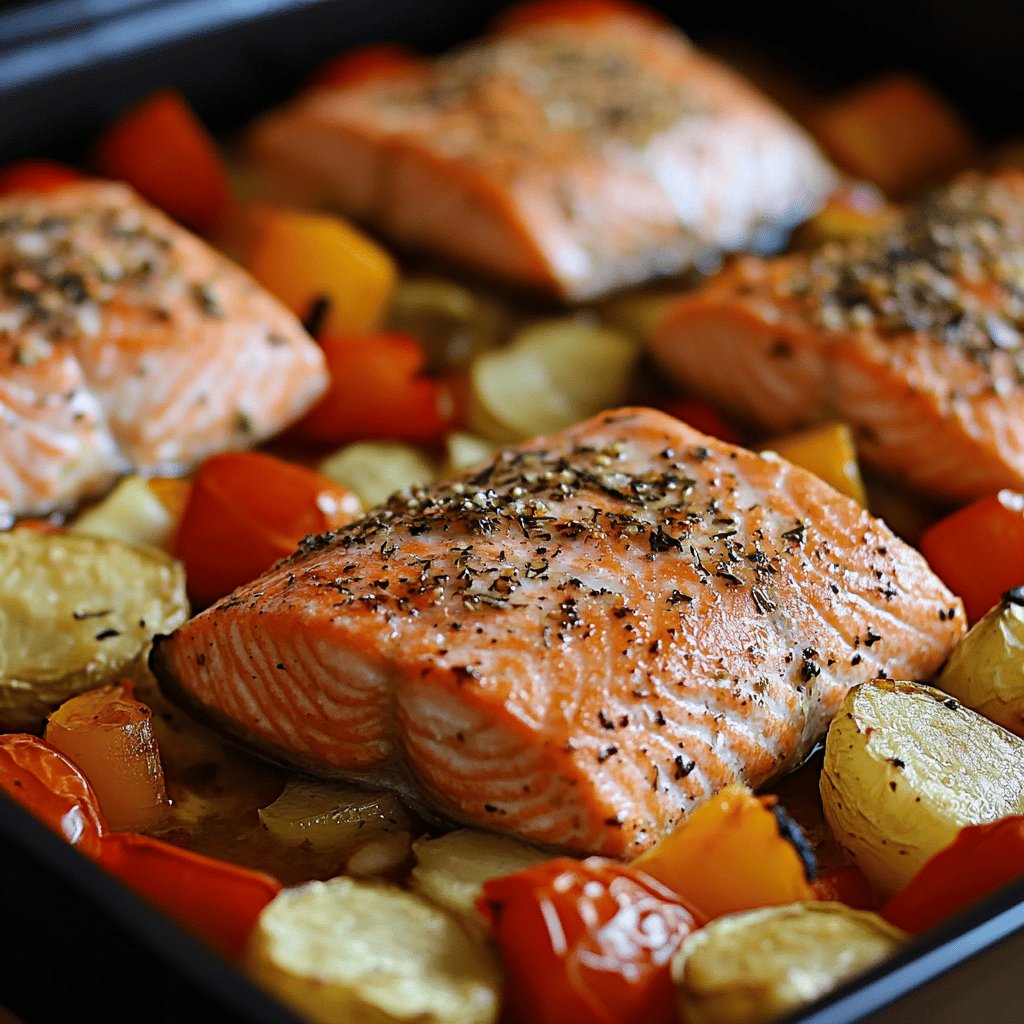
x=829, y=453
x=323, y=269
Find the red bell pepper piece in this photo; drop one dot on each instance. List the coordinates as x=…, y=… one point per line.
x=378, y=390
x=578, y=11
x=48, y=785
x=217, y=901
x=587, y=941
x=980, y=860
x=164, y=152
x=38, y=176
x=846, y=884
x=978, y=551
x=245, y=511
x=381, y=61
x=701, y=416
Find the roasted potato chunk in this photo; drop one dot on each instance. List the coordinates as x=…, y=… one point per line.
x=75, y=612
x=374, y=470
x=905, y=768
x=753, y=967
x=348, y=952
x=132, y=512
x=451, y=869
x=986, y=670
x=536, y=384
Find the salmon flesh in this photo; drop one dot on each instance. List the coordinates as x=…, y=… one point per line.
x=572, y=158
x=126, y=341
x=576, y=643
x=914, y=336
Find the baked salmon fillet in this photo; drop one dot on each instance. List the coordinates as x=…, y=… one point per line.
x=577, y=643
x=914, y=336
x=126, y=341
x=571, y=157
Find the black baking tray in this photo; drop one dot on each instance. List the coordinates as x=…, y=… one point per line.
x=74, y=944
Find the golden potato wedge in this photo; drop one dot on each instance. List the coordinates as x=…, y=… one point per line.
x=551, y=375
x=75, y=612
x=348, y=952
x=986, y=669
x=451, y=869
x=639, y=311
x=464, y=451
x=907, y=766
x=374, y=470
x=131, y=512
x=753, y=967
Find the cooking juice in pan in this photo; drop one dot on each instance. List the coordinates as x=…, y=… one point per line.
x=515, y=646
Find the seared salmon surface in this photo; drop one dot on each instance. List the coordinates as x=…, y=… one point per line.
x=575, y=158
x=126, y=341
x=578, y=642
x=914, y=336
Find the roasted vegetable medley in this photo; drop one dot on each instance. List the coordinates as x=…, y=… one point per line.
x=352, y=902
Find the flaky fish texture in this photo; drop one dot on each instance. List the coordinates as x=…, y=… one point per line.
x=126, y=341
x=575, y=158
x=914, y=336
x=577, y=643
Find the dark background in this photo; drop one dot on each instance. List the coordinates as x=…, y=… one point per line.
x=67, y=66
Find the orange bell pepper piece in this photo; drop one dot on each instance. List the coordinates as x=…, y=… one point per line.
x=980, y=860
x=736, y=851
x=217, y=901
x=856, y=209
x=38, y=176
x=897, y=132
x=368, y=63
x=245, y=511
x=166, y=154
x=378, y=391
x=589, y=942
x=49, y=786
x=109, y=735
x=978, y=551
x=172, y=492
x=333, y=277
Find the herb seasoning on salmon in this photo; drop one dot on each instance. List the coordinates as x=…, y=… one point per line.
x=914, y=336
x=572, y=157
x=124, y=340
x=578, y=642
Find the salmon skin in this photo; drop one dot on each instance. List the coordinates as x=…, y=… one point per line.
x=574, y=158
x=125, y=341
x=578, y=642
x=914, y=336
